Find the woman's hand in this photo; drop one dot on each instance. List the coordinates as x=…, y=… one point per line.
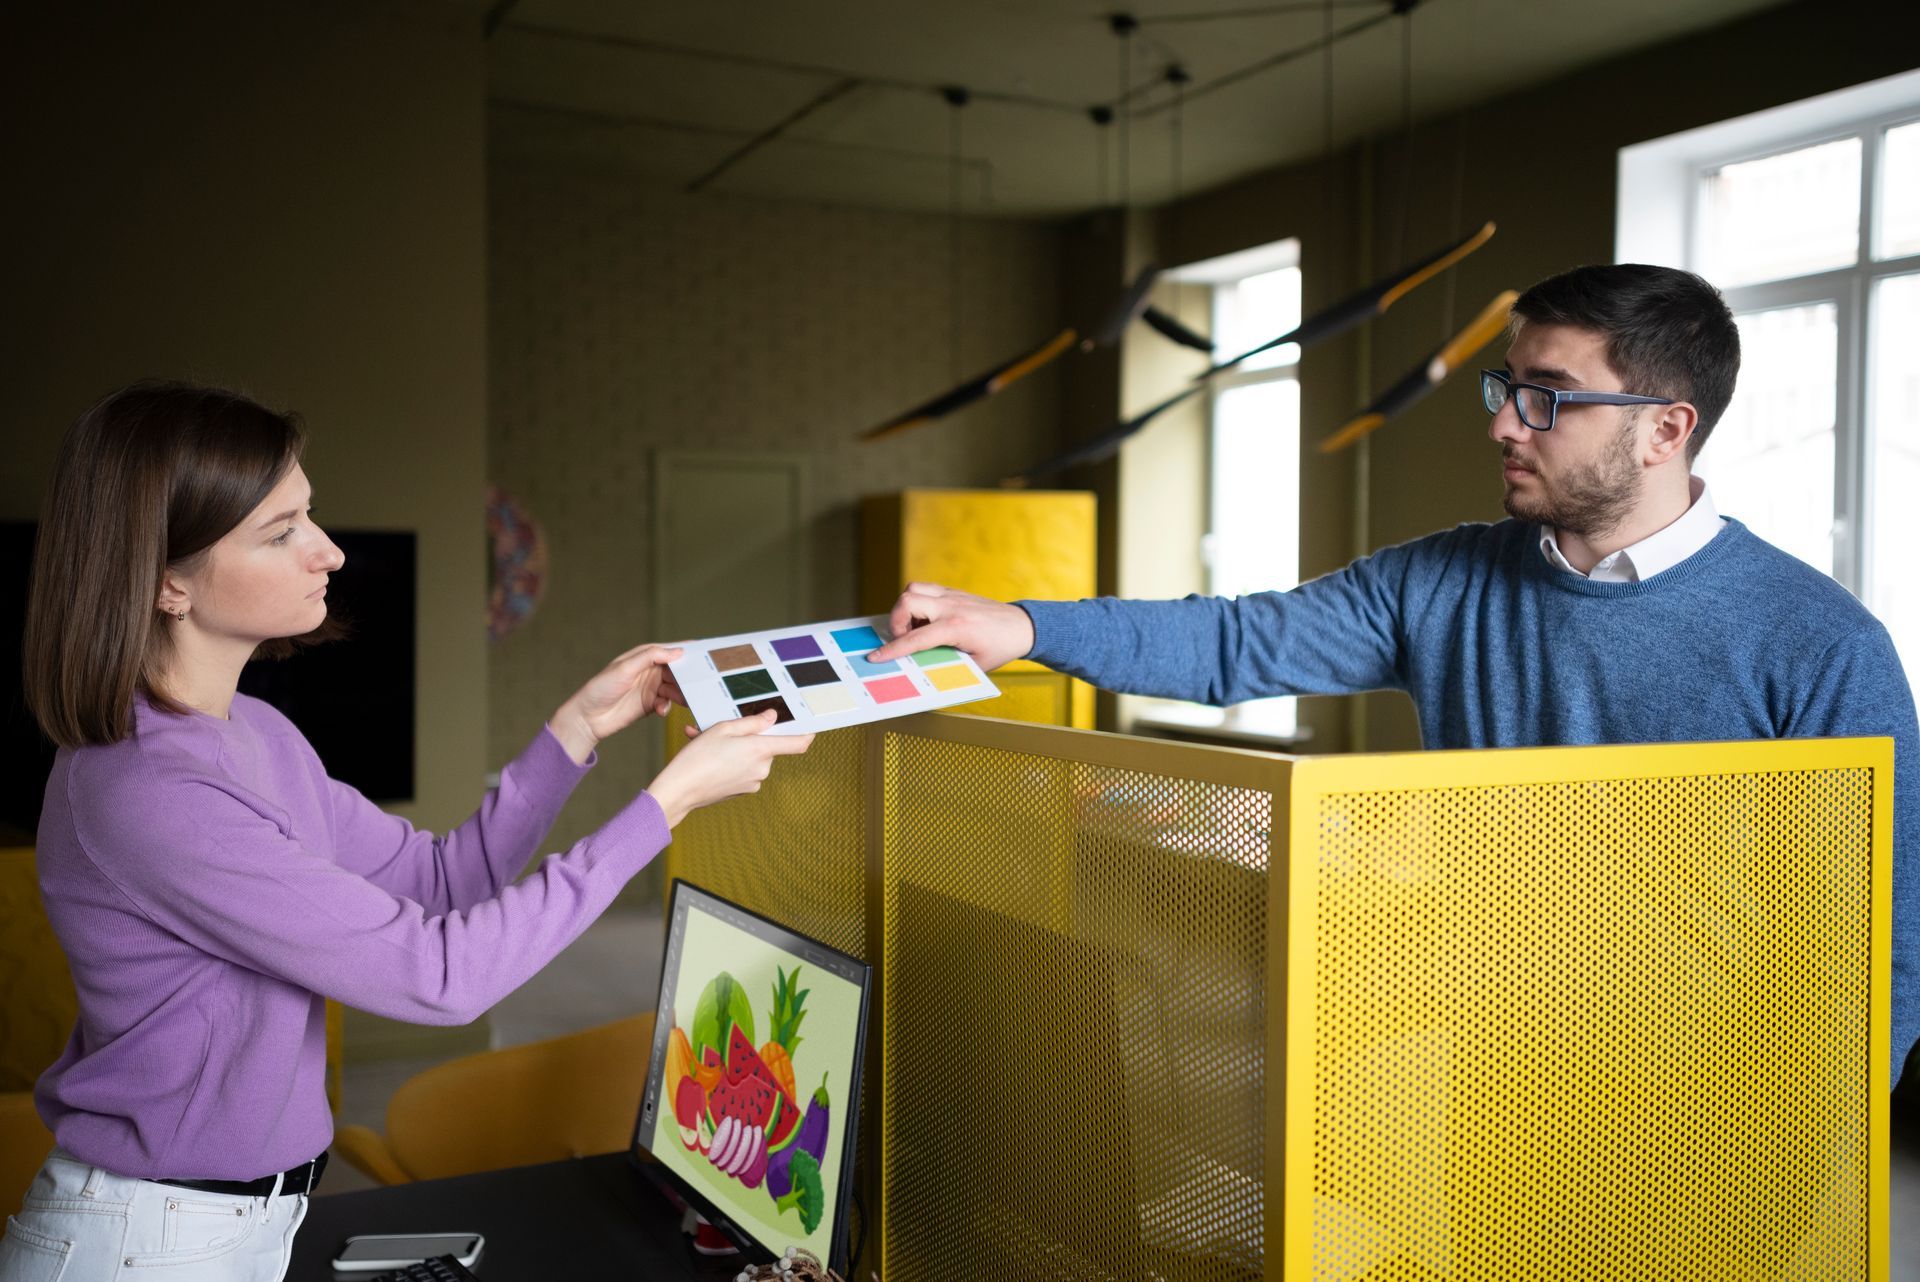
x=633, y=685
x=730, y=759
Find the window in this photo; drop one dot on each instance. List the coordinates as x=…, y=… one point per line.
x=1251, y=539
x=1808, y=219
x=1253, y=487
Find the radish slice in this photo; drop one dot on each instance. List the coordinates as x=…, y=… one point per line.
x=723, y=1139
x=744, y=1159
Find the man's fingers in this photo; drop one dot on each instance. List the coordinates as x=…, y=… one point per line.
x=922, y=601
x=782, y=745
x=925, y=637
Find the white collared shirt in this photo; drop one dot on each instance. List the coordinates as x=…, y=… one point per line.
x=1661, y=550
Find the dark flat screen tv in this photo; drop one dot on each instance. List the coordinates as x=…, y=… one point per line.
x=352, y=698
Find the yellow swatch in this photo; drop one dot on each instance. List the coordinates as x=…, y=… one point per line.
x=953, y=677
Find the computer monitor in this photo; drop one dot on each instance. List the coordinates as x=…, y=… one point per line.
x=751, y=1096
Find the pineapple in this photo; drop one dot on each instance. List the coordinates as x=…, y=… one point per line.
x=788, y=1011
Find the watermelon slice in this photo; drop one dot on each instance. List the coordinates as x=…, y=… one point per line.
x=749, y=1102
x=743, y=1061
x=785, y=1125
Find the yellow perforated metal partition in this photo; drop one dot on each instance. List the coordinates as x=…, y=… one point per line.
x=1591, y=1013
x=1152, y=1010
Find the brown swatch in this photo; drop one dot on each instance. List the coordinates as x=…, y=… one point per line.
x=730, y=657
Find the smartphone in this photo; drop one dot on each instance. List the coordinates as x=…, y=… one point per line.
x=368, y=1252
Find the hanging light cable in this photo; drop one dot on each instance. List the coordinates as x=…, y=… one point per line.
x=1124, y=25
x=1405, y=13
x=1176, y=130
x=1101, y=117
x=957, y=99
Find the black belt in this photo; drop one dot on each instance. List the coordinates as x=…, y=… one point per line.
x=299, y=1181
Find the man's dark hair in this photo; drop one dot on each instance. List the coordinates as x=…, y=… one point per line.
x=1668, y=332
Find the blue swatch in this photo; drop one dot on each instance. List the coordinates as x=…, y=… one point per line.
x=861, y=668
x=857, y=640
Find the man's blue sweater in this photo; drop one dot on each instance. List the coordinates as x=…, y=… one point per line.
x=1499, y=650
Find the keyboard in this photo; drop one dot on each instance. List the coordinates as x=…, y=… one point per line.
x=445, y=1268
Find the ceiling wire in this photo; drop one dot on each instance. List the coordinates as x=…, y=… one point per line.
x=767, y=135
x=956, y=101
x=1406, y=136
x=1459, y=203
x=1123, y=27
x=1258, y=11
x=643, y=45
x=1102, y=118
x=1327, y=40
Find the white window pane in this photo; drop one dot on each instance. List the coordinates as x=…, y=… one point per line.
x=1770, y=459
x=1900, y=193
x=1254, y=545
x=1783, y=215
x=1253, y=311
x=1894, y=469
x=1256, y=468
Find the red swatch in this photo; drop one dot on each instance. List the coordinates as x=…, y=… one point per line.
x=891, y=689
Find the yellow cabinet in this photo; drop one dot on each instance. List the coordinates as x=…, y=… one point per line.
x=1004, y=544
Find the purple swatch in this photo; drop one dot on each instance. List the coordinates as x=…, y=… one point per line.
x=800, y=647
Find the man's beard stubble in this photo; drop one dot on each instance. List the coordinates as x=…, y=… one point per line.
x=1589, y=500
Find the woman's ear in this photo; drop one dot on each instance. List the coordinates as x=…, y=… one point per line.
x=173, y=598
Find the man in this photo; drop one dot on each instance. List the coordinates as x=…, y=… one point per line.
x=1617, y=606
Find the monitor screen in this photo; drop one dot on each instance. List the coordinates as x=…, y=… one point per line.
x=755, y=1078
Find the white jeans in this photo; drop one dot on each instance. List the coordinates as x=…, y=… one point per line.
x=80, y=1223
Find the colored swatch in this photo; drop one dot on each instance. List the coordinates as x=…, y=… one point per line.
x=957, y=677
x=817, y=673
x=800, y=647
x=939, y=654
x=735, y=656
x=891, y=689
x=746, y=685
x=857, y=640
x=778, y=704
x=861, y=668
x=828, y=700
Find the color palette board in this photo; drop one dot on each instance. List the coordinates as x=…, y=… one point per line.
x=818, y=677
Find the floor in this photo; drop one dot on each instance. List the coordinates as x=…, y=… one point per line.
x=614, y=970
x=610, y=971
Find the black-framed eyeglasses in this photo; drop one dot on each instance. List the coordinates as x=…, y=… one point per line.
x=1538, y=406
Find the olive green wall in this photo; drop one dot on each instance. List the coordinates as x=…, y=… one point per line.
x=1541, y=164
x=286, y=198
x=628, y=319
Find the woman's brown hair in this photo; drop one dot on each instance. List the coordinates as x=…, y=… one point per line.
x=146, y=481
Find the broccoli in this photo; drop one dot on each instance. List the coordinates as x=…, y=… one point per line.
x=807, y=1197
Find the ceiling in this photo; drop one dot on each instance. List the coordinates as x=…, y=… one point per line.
x=677, y=91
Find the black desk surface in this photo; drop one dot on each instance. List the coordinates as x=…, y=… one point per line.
x=583, y=1220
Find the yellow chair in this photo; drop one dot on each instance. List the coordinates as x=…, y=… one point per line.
x=37, y=1002
x=564, y=1097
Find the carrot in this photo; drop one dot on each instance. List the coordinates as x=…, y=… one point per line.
x=775, y=1056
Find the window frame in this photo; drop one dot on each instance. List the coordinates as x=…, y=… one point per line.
x=1851, y=289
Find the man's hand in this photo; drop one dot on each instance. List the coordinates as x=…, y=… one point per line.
x=633, y=685
x=927, y=615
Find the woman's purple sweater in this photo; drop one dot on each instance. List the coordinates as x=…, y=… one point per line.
x=211, y=884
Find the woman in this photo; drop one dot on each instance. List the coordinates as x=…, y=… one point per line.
x=211, y=885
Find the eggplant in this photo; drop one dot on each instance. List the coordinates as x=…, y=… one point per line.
x=812, y=1140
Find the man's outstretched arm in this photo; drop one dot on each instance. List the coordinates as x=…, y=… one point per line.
x=1338, y=634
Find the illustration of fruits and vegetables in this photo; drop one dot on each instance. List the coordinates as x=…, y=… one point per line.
x=739, y=1106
